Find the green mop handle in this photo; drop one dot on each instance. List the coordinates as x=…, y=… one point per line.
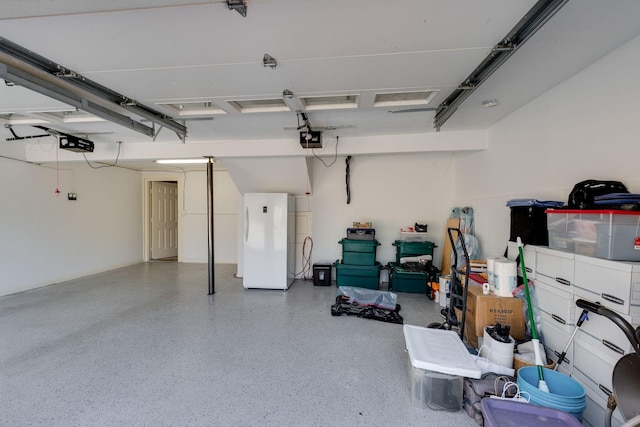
x=534, y=332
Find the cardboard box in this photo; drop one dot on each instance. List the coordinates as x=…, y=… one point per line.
x=487, y=310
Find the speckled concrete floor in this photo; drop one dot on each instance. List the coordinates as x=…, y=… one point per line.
x=145, y=346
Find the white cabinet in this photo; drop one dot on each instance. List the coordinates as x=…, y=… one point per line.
x=561, y=278
x=529, y=253
x=555, y=305
x=555, y=341
x=614, y=284
x=594, y=413
x=601, y=334
x=555, y=268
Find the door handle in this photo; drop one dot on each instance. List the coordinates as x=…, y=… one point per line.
x=246, y=224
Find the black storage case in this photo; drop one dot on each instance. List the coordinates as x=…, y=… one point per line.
x=530, y=224
x=361, y=234
x=321, y=274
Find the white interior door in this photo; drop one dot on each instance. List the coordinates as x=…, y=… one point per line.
x=164, y=219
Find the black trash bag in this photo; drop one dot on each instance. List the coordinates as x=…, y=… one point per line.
x=343, y=306
x=499, y=333
x=414, y=266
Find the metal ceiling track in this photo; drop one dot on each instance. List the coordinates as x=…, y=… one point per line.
x=28, y=69
x=535, y=18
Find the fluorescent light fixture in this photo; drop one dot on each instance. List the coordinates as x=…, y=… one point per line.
x=401, y=99
x=198, y=108
x=183, y=161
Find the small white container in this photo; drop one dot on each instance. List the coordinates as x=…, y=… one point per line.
x=445, y=283
x=438, y=361
x=413, y=236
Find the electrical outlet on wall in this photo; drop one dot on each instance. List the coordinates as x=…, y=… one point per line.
x=72, y=196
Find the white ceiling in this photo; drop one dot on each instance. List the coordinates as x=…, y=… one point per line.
x=177, y=51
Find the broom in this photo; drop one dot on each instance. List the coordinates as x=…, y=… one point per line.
x=542, y=385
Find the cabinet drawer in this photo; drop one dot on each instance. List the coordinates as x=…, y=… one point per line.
x=556, y=303
x=555, y=340
x=556, y=267
x=594, y=365
x=529, y=258
x=614, y=284
x=594, y=413
x=602, y=334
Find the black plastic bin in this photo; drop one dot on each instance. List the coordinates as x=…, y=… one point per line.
x=321, y=274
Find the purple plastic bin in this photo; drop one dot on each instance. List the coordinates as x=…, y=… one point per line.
x=508, y=413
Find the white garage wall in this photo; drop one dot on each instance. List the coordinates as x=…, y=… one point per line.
x=194, y=235
x=587, y=127
x=583, y=128
x=47, y=238
x=391, y=191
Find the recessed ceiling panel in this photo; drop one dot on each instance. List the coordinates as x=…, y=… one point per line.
x=396, y=99
x=197, y=108
x=259, y=105
x=332, y=102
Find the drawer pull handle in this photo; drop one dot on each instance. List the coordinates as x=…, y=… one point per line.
x=613, y=299
x=604, y=389
x=558, y=319
x=563, y=281
x=612, y=346
x=558, y=356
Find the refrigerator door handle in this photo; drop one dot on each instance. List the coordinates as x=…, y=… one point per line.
x=246, y=224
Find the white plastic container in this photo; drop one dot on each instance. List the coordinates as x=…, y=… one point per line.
x=607, y=234
x=445, y=283
x=438, y=361
x=498, y=352
x=413, y=236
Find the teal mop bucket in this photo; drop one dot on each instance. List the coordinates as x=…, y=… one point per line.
x=565, y=393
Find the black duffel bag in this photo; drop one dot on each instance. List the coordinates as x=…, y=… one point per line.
x=583, y=194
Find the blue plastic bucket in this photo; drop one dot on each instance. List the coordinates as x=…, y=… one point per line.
x=565, y=393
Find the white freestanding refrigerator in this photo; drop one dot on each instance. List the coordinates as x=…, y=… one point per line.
x=269, y=240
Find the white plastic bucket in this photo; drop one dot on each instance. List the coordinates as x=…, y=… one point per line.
x=500, y=353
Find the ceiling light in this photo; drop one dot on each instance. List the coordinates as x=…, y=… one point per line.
x=259, y=105
x=198, y=108
x=184, y=161
x=330, y=102
x=399, y=99
x=488, y=103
